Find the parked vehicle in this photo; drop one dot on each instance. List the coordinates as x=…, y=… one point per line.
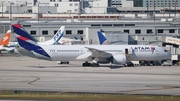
x=167, y=63
x=129, y=64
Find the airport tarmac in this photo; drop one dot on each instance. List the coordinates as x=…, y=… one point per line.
x=28, y=74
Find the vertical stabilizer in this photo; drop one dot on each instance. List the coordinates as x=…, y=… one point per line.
x=102, y=38
x=6, y=38
x=59, y=34
x=28, y=42
x=23, y=37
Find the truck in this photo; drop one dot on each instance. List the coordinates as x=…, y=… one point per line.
x=167, y=63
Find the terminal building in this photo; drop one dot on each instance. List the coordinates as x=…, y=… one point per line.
x=161, y=3
x=88, y=6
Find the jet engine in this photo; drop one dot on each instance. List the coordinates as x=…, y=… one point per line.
x=119, y=59
x=11, y=51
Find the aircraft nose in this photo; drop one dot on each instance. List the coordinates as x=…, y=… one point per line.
x=168, y=55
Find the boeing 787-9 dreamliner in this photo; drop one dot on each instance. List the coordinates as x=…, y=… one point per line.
x=96, y=54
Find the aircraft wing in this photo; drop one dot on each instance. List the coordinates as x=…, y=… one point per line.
x=99, y=53
x=8, y=49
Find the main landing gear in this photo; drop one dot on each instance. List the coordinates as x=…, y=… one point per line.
x=86, y=64
x=63, y=62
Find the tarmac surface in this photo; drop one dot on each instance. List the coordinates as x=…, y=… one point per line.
x=28, y=74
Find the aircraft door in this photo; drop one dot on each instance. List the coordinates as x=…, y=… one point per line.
x=126, y=51
x=127, y=54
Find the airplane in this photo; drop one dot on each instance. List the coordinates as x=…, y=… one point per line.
x=5, y=41
x=115, y=54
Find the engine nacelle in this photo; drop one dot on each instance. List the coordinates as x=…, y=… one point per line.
x=119, y=59
x=11, y=51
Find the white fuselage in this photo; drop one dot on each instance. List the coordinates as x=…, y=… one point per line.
x=2, y=48
x=81, y=53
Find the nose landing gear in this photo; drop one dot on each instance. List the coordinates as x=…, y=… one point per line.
x=86, y=64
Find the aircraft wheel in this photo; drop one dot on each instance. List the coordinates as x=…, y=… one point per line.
x=88, y=64
x=84, y=64
x=97, y=64
x=94, y=65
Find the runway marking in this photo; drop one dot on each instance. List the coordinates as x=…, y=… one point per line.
x=176, y=95
x=30, y=83
x=161, y=88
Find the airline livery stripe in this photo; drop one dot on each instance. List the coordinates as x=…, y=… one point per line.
x=30, y=41
x=17, y=25
x=23, y=38
x=22, y=32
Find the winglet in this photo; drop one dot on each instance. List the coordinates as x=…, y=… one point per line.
x=102, y=38
x=6, y=38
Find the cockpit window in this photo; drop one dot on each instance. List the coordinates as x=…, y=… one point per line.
x=166, y=51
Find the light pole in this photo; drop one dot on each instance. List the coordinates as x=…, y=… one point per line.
x=10, y=12
x=38, y=11
x=69, y=11
x=147, y=9
x=175, y=9
x=169, y=9
x=154, y=11
x=2, y=8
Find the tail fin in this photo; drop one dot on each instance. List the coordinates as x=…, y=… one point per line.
x=23, y=37
x=28, y=42
x=59, y=34
x=6, y=38
x=102, y=38
x=102, y=30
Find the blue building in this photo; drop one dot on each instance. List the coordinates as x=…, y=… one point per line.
x=161, y=3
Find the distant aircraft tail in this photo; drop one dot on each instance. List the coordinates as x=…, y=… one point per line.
x=102, y=38
x=6, y=38
x=59, y=34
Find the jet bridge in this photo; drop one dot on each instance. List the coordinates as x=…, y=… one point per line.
x=172, y=40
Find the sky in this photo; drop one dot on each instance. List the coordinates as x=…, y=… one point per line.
x=29, y=1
